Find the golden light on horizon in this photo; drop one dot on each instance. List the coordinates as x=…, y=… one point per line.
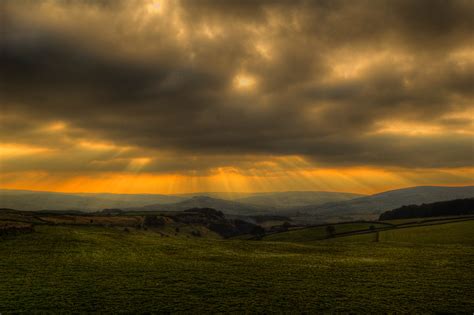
x=357, y=180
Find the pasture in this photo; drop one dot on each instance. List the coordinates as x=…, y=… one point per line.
x=90, y=268
x=319, y=232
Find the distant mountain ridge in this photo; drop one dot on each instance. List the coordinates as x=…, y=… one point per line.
x=324, y=205
x=43, y=200
x=290, y=199
x=218, y=195
x=226, y=206
x=378, y=203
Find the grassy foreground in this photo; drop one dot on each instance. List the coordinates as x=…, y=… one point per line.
x=73, y=268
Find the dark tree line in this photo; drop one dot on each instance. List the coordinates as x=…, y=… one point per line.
x=436, y=209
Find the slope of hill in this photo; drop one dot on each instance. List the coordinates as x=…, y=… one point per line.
x=231, y=195
x=436, y=209
x=376, y=204
x=39, y=200
x=282, y=203
x=226, y=206
x=458, y=233
x=73, y=268
x=311, y=234
x=297, y=198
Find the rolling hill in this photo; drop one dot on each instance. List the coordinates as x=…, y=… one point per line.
x=231, y=195
x=226, y=206
x=378, y=203
x=40, y=200
x=332, y=206
x=288, y=199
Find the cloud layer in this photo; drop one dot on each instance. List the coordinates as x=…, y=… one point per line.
x=191, y=86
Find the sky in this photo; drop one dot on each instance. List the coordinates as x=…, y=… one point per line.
x=145, y=96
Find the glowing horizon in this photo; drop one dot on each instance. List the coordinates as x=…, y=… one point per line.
x=362, y=181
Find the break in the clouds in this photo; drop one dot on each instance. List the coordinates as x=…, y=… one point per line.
x=190, y=86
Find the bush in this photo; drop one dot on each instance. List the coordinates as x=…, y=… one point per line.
x=258, y=231
x=285, y=226
x=153, y=221
x=330, y=230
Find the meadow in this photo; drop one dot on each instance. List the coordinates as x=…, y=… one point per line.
x=98, y=269
x=308, y=234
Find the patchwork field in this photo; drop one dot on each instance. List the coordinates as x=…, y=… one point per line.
x=452, y=233
x=90, y=268
x=320, y=232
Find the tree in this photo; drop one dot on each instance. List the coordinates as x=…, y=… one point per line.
x=258, y=231
x=286, y=225
x=153, y=221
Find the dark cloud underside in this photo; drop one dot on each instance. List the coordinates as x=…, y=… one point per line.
x=336, y=82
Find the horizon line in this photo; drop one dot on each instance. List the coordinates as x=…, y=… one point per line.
x=228, y=192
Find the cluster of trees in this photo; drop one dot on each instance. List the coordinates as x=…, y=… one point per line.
x=437, y=209
x=153, y=221
x=213, y=219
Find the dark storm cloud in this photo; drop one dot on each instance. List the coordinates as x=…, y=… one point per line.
x=161, y=76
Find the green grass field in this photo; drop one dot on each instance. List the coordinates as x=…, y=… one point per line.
x=443, y=233
x=427, y=220
x=453, y=233
x=86, y=269
x=319, y=232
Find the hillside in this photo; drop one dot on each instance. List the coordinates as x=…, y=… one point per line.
x=437, y=209
x=376, y=204
x=231, y=195
x=39, y=200
x=324, y=206
x=226, y=206
x=320, y=232
x=196, y=222
x=94, y=269
x=290, y=199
